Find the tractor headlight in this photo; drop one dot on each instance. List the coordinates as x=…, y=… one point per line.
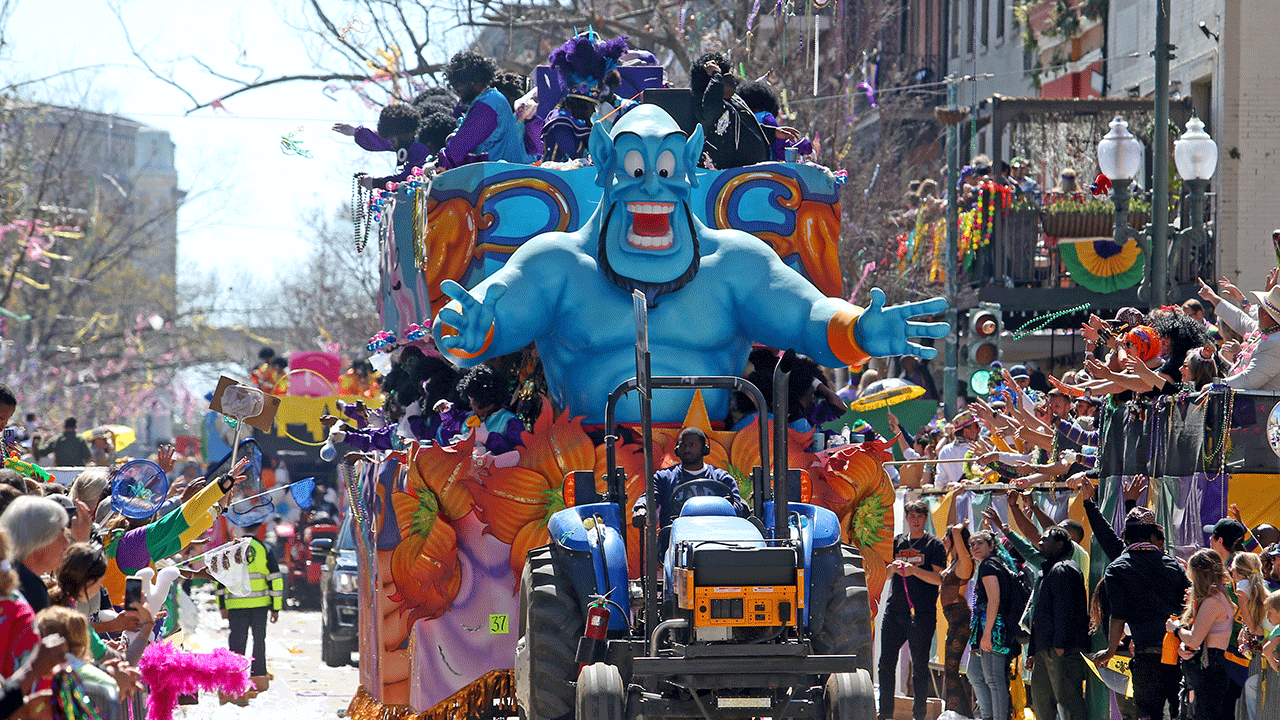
x=345, y=582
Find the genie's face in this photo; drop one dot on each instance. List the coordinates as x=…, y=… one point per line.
x=646, y=171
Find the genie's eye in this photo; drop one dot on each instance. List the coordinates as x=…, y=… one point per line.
x=666, y=163
x=634, y=163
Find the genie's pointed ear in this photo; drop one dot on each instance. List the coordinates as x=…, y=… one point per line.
x=600, y=145
x=692, y=153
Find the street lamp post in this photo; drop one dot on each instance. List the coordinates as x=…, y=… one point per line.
x=1120, y=158
x=1196, y=156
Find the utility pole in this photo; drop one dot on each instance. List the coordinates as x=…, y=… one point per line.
x=951, y=358
x=1160, y=166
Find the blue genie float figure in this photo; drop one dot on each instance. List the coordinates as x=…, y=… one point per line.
x=711, y=292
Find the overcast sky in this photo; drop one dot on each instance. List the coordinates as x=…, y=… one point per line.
x=249, y=200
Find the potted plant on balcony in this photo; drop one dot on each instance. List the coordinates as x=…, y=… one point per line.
x=1077, y=215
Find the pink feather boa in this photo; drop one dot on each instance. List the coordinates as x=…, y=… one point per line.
x=170, y=672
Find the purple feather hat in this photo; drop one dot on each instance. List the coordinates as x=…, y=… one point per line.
x=583, y=65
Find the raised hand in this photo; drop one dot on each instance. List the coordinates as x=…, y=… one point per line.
x=471, y=318
x=1272, y=278
x=164, y=458
x=1229, y=290
x=1133, y=487
x=1207, y=294
x=886, y=331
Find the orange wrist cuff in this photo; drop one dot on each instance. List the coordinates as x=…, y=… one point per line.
x=840, y=336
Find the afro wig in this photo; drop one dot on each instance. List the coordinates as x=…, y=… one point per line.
x=759, y=97
x=698, y=77
x=484, y=385
x=435, y=96
x=435, y=130
x=469, y=67
x=398, y=119
x=511, y=85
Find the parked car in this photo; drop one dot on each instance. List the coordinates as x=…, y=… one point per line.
x=302, y=569
x=339, y=602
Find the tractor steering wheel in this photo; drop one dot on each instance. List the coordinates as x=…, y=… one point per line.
x=682, y=492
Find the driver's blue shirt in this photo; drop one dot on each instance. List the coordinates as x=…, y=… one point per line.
x=668, y=479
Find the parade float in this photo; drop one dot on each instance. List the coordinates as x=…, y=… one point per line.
x=443, y=538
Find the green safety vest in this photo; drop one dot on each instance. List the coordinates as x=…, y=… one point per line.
x=267, y=587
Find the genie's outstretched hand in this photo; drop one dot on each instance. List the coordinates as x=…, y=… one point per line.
x=884, y=331
x=471, y=319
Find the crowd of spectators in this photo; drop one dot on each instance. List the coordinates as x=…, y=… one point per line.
x=1196, y=633
x=64, y=556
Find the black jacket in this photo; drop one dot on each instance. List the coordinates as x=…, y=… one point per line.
x=1103, y=533
x=1061, y=614
x=732, y=135
x=1144, y=587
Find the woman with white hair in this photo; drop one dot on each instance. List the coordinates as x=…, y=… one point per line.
x=38, y=536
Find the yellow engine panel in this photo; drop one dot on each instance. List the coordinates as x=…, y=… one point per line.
x=739, y=606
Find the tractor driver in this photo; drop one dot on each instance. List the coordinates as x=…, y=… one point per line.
x=691, y=478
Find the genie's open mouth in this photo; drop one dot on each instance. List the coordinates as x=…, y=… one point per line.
x=651, y=225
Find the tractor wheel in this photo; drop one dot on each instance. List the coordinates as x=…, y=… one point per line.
x=601, y=695
x=550, y=624
x=846, y=628
x=849, y=696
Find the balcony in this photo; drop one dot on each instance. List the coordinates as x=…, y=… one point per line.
x=1022, y=255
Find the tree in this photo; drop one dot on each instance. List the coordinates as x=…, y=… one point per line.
x=329, y=301
x=88, y=241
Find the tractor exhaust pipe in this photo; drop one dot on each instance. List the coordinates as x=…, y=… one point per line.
x=781, y=401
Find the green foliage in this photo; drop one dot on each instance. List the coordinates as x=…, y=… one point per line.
x=1087, y=205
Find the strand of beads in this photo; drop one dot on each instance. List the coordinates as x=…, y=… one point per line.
x=1043, y=321
x=381, y=196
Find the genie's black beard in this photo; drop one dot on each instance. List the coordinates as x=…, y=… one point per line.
x=652, y=291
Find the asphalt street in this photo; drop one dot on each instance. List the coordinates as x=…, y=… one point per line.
x=304, y=688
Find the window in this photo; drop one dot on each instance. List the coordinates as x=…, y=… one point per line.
x=954, y=12
x=973, y=25
x=1000, y=13
x=986, y=23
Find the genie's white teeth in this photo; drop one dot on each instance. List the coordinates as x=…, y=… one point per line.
x=638, y=208
x=650, y=242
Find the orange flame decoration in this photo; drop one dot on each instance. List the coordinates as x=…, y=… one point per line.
x=855, y=486
x=451, y=237
x=516, y=502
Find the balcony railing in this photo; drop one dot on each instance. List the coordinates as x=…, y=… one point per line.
x=1021, y=254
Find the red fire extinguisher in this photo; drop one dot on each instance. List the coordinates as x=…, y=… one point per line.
x=592, y=645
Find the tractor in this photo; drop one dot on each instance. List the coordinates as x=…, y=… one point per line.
x=765, y=616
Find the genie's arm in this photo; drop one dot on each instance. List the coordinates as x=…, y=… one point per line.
x=526, y=290
x=777, y=306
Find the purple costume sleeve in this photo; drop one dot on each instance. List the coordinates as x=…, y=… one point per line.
x=533, y=136
x=131, y=552
x=372, y=141
x=804, y=147
x=479, y=124
x=368, y=440
x=451, y=423
x=507, y=440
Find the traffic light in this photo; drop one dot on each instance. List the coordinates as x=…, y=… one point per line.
x=986, y=324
